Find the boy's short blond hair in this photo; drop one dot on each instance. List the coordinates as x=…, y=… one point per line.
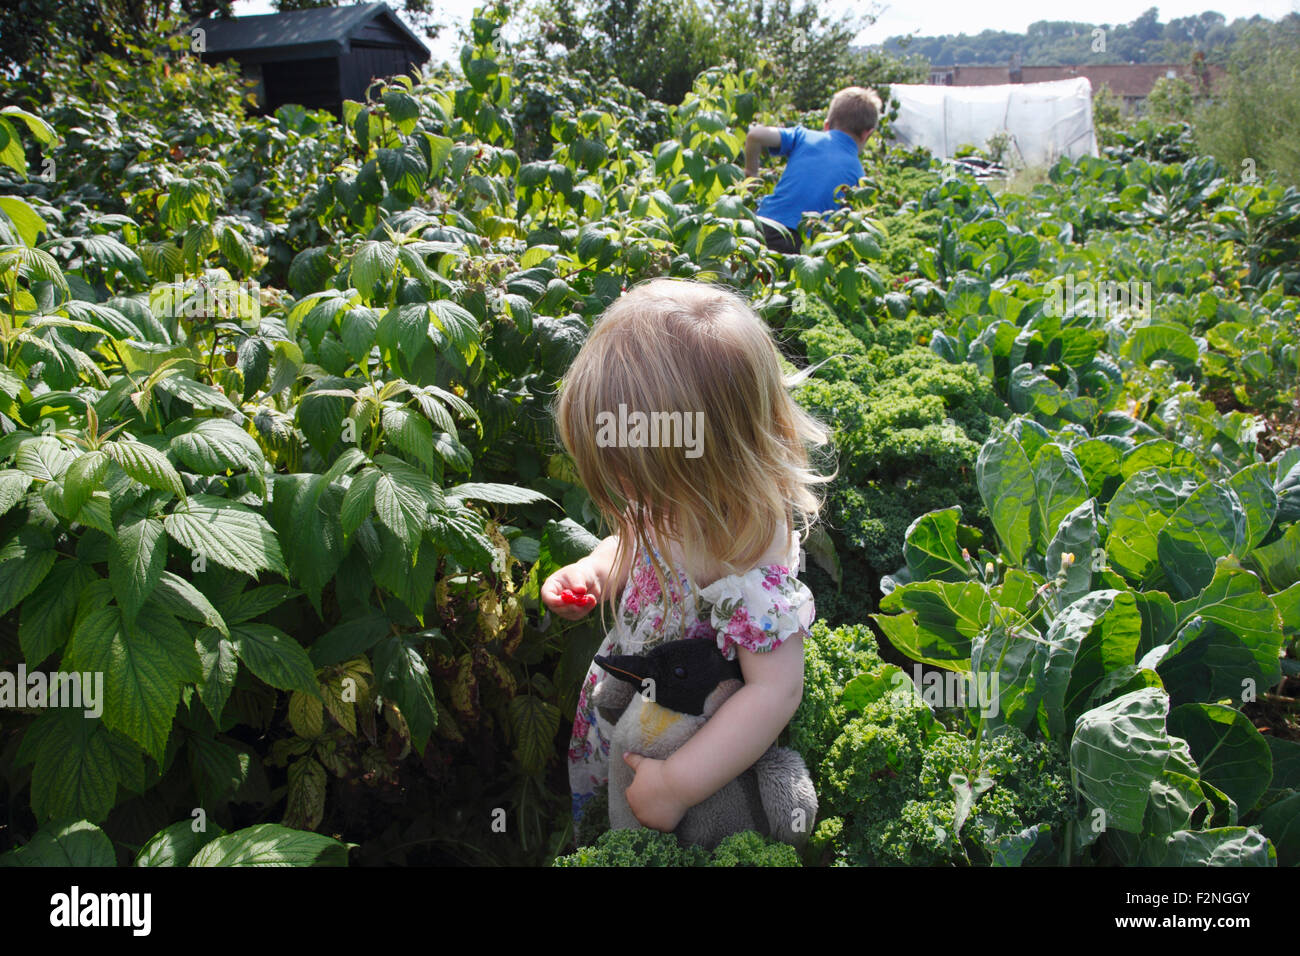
x=855, y=110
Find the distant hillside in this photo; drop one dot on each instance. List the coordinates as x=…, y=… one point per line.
x=1053, y=42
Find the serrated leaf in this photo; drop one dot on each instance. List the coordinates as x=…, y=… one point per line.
x=275, y=657
x=178, y=596
x=306, y=714
x=372, y=263
x=341, y=710
x=138, y=556
x=411, y=432
x=25, y=560
x=50, y=610
x=271, y=844
x=196, y=393
x=43, y=458
x=498, y=493
x=305, y=803
x=144, y=665
x=349, y=639
x=461, y=534
x=83, y=478
x=226, y=532
x=13, y=485
x=80, y=844
x=404, y=678
x=79, y=765
x=402, y=499
x=25, y=219
x=218, y=668
x=146, y=465
x=41, y=130
x=534, y=722
x=177, y=844
x=214, y=445
x=359, y=502
x=456, y=322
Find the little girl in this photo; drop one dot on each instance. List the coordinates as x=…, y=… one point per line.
x=705, y=543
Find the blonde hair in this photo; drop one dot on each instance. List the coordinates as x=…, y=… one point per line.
x=854, y=109
x=679, y=346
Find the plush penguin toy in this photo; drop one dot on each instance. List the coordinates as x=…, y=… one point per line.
x=682, y=684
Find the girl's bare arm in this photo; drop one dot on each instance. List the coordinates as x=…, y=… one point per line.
x=594, y=573
x=744, y=726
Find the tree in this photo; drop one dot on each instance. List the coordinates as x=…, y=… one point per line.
x=656, y=46
x=812, y=51
x=1252, y=123
x=1107, y=113
x=417, y=13
x=31, y=29
x=1056, y=42
x=1170, y=100
x=660, y=46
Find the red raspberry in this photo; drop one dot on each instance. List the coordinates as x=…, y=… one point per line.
x=577, y=596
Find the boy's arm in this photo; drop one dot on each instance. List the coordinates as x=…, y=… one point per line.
x=759, y=138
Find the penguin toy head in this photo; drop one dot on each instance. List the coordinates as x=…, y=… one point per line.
x=682, y=676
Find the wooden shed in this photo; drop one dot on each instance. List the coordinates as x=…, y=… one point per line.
x=316, y=58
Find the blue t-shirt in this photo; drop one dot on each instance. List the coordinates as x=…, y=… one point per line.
x=820, y=162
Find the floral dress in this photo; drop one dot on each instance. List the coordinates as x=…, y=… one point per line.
x=757, y=610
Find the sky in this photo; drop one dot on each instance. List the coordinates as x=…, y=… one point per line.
x=928, y=17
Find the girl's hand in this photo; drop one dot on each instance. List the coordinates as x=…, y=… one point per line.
x=572, y=591
x=651, y=797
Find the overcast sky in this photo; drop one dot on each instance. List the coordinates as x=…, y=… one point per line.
x=930, y=17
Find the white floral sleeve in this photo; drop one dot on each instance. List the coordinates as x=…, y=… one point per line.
x=758, y=610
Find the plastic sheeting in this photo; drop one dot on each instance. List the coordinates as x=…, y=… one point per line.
x=1045, y=120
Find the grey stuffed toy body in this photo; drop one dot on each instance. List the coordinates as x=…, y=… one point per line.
x=681, y=685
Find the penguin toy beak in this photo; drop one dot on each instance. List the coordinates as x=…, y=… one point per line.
x=625, y=667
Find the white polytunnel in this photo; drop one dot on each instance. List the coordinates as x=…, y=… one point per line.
x=1045, y=120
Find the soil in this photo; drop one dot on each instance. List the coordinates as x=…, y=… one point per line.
x=1278, y=713
x=1281, y=427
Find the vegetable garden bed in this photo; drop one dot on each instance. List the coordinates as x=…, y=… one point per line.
x=275, y=460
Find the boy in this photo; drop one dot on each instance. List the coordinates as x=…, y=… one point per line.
x=819, y=163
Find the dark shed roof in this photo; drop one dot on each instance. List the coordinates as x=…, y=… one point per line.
x=304, y=34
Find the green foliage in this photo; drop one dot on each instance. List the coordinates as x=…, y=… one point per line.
x=187, y=843
x=752, y=849
x=1146, y=139
x=1053, y=42
x=657, y=47
x=660, y=46
x=872, y=753
x=277, y=461
x=652, y=848
x=889, y=775
x=1107, y=113
x=831, y=659
x=1252, y=122
x=1030, y=788
x=1079, y=617
x=1170, y=100
x=908, y=425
